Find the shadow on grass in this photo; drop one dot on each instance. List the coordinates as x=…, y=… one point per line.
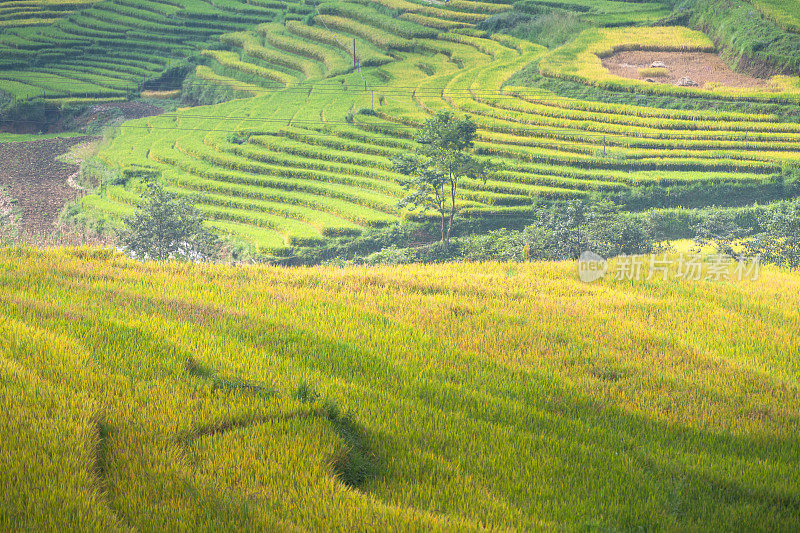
x=353, y=463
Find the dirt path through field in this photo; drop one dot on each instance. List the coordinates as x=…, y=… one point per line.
x=701, y=67
x=31, y=174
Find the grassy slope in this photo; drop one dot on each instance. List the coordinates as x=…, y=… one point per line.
x=785, y=12
x=553, y=146
x=107, y=49
x=156, y=397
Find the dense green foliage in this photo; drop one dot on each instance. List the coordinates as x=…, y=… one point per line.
x=786, y=13
x=443, y=160
x=167, y=227
x=779, y=241
x=750, y=40
x=549, y=28
x=558, y=233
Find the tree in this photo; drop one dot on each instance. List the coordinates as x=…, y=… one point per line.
x=779, y=243
x=563, y=232
x=442, y=159
x=719, y=228
x=168, y=227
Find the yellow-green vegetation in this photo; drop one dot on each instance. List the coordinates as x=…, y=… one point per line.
x=654, y=72
x=313, y=159
x=611, y=13
x=444, y=397
x=92, y=49
x=22, y=13
x=580, y=60
x=786, y=13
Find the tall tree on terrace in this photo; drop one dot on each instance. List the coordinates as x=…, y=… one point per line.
x=442, y=159
x=168, y=227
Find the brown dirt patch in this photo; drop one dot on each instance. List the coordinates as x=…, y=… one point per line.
x=702, y=67
x=112, y=113
x=31, y=175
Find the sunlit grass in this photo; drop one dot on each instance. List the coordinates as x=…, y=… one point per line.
x=423, y=397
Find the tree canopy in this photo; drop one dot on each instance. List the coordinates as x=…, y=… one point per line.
x=168, y=227
x=442, y=159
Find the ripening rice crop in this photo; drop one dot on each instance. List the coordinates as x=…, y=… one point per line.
x=119, y=34
x=381, y=39
x=373, y=18
x=580, y=60
x=249, y=43
x=232, y=60
x=367, y=53
x=433, y=22
x=478, y=7
x=424, y=397
x=205, y=73
x=334, y=61
x=657, y=72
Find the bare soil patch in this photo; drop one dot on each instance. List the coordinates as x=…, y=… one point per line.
x=701, y=67
x=113, y=113
x=31, y=175
x=94, y=116
x=128, y=110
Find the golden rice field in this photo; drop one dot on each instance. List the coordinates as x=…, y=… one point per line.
x=138, y=396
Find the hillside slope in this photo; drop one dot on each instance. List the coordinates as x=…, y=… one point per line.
x=82, y=50
x=305, y=151
x=452, y=397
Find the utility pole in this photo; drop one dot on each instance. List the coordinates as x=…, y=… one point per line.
x=373, y=100
x=354, y=53
x=604, y=145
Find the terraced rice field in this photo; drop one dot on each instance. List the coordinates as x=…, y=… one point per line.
x=446, y=397
x=106, y=49
x=21, y=13
x=306, y=153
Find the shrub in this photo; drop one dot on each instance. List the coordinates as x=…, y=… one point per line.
x=719, y=228
x=779, y=243
x=167, y=227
